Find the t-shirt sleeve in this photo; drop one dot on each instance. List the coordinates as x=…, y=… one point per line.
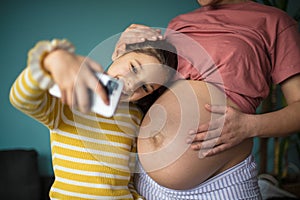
x=285, y=54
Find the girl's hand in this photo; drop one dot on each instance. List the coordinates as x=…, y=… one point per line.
x=75, y=76
x=220, y=134
x=133, y=34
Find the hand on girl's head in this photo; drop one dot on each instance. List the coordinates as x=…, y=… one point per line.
x=135, y=33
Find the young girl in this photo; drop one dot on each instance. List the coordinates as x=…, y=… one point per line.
x=91, y=155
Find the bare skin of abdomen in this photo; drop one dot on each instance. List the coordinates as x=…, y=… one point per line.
x=163, y=151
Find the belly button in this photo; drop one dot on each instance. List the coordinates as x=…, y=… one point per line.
x=157, y=138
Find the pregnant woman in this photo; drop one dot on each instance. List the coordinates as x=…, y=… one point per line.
x=251, y=46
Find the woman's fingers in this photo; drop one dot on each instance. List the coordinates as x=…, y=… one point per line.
x=218, y=109
x=219, y=134
x=141, y=34
x=208, y=130
x=142, y=30
x=214, y=124
x=210, y=147
x=206, y=144
x=204, y=136
x=216, y=150
x=133, y=34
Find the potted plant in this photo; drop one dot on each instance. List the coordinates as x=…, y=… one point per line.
x=286, y=173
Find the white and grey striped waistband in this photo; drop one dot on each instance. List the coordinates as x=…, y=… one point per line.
x=238, y=182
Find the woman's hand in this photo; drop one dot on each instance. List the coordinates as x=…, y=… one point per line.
x=133, y=34
x=220, y=134
x=75, y=76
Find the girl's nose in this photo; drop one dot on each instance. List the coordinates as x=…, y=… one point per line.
x=129, y=84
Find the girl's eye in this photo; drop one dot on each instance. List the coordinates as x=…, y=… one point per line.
x=134, y=69
x=144, y=87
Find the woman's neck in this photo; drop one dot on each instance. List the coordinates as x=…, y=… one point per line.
x=231, y=1
x=219, y=2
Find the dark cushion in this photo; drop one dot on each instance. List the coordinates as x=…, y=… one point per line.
x=19, y=176
x=46, y=183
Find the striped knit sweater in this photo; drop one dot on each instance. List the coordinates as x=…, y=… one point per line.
x=91, y=155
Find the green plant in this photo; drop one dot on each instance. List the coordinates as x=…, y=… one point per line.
x=276, y=101
x=281, y=4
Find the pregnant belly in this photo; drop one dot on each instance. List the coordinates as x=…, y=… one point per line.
x=162, y=147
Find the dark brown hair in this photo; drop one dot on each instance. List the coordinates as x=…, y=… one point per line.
x=166, y=54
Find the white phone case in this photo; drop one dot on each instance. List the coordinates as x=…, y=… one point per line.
x=114, y=90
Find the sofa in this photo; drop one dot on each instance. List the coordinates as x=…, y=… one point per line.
x=20, y=178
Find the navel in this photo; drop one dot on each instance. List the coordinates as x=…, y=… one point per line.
x=157, y=138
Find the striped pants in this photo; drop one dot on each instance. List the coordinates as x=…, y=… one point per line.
x=238, y=182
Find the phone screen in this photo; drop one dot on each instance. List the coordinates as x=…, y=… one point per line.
x=114, y=89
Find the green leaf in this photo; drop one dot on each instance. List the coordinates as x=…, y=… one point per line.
x=298, y=147
x=297, y=15
x=267, y=2
x=282, y=4
x=283, y=150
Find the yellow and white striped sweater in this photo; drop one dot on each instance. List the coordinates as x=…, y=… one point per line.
x=91, y=154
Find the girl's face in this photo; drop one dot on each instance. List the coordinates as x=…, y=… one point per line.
x=141, y=74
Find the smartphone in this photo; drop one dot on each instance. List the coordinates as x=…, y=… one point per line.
x=114, y=89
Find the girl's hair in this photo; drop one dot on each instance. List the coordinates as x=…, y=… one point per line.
x=166, y=54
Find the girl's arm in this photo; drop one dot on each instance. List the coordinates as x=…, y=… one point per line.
x=75, y=76
x=29, y=91
x=27, y=96
x=49, y=63
x=132, y=164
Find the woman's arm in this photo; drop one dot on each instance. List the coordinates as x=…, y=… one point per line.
x=285, y=121
x=239, y=126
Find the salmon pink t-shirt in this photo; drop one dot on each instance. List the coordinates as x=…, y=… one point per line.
x=241, y=48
